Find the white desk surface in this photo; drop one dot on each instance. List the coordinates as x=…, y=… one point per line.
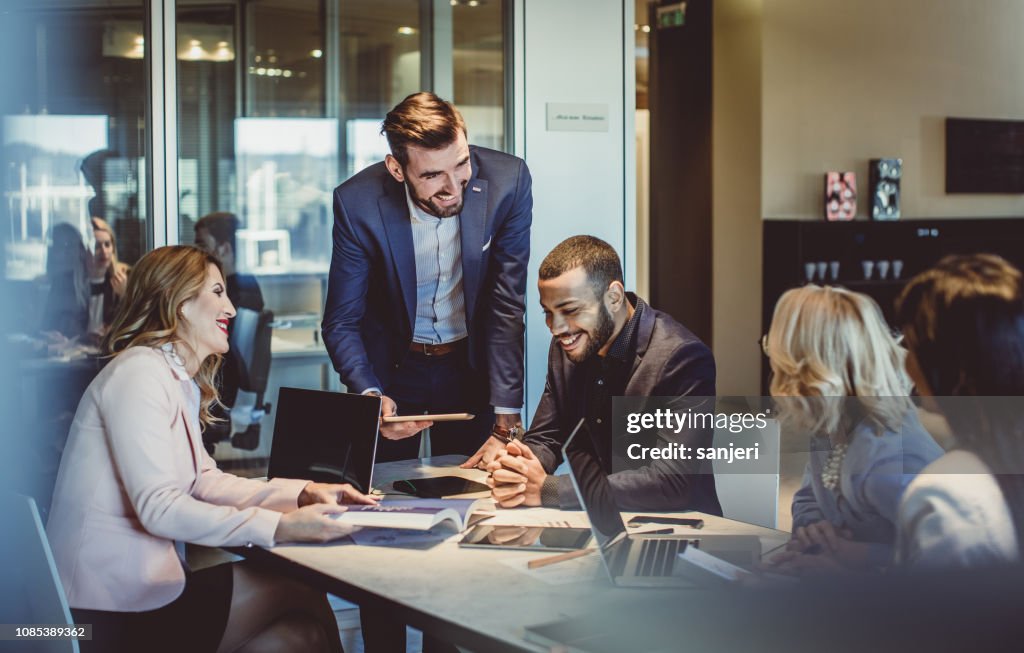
x=480, y=598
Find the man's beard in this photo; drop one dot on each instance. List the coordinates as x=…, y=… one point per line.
x=433, y=209
x=599, y=337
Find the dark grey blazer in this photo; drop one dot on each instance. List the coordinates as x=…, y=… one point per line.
x=670, y=361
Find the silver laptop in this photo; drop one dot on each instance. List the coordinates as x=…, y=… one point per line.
x=639, y=560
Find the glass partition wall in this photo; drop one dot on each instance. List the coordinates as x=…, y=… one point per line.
x=279, y=101
x=150, y=114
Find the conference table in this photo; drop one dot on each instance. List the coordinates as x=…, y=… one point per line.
x=482, y=600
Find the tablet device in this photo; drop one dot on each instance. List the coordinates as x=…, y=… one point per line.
x=526, y=538
x=438, y=487
x=443, y=417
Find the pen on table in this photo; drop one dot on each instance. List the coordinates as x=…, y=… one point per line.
x=561, y=557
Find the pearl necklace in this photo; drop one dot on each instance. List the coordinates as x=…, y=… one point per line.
x=834, y=463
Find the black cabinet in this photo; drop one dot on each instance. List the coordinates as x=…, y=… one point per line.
x=797, y=251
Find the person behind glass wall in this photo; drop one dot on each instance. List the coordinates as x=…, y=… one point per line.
x=135, y=484
x=216, y=234
x=108, y=278
x=67, y=272
x=837, y=374
x=84, y=290
x=964, y=325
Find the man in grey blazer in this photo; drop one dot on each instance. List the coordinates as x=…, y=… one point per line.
x=606, y=343
x=425, y=298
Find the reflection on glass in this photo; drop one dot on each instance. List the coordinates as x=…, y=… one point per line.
x=279, y=102
x=287, y=169
x=479, y=70
x=73, y=116
x=380, y=42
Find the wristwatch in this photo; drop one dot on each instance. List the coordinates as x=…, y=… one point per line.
x=506, y=435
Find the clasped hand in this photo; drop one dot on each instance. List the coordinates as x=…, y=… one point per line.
x=516, y=477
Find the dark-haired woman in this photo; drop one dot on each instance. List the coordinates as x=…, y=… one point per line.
x=964, y=326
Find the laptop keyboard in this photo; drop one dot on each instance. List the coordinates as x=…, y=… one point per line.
x=657, y=557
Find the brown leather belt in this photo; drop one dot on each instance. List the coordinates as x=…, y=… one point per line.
x=437, y=350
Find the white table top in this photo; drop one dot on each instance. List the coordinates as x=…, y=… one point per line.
x=481, y=598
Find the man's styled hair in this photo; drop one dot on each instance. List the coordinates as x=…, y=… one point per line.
x=423, y=120
x=597, y=258
x=223, y=226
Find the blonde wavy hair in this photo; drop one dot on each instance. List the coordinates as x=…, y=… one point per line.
x=828, y=344
x=150, y=313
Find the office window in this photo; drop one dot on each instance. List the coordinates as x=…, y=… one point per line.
x=279, y=102
x=73, y=126
x=478, y=53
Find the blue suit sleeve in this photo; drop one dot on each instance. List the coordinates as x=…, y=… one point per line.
x=346, y=303
x=545, y=437
x=805, y=508
x=505, y=324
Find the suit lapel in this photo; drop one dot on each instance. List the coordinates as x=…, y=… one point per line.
x=643, y=334
x=472, y=231
x=394, y=212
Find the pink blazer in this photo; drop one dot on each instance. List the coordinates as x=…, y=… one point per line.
x=134, y=477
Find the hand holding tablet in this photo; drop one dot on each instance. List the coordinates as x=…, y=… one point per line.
x=443, y=417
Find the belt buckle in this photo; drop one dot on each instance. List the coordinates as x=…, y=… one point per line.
x=426, y=349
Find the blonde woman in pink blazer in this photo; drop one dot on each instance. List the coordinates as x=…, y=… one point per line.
x=135, y=483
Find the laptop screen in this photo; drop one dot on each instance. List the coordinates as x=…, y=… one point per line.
x=329, y=437
x=592, y=486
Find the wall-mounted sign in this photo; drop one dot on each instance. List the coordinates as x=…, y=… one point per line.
x=572, y=117
x=671, y=15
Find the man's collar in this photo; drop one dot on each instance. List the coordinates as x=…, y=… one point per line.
x=623, y=346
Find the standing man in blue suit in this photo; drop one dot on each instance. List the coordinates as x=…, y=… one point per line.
x=425, y=299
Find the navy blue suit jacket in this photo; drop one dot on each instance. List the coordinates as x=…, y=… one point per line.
x=670, y=361
x=371, y=292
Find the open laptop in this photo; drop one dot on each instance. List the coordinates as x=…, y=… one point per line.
x=637, y=560
x=329, y=437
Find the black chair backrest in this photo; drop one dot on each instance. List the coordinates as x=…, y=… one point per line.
x=250, y=342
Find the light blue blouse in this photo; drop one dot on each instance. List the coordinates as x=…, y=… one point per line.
x=875, y=472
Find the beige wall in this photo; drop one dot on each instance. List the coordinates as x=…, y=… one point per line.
x=846, y=81
x=736, y=194
x=806, y=86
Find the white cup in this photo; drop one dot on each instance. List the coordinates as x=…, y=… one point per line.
x=883, y=269
x=809, y=271
x=868, y=267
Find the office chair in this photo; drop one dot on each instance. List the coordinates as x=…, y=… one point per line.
x=249, y=362
x=752, y=498
x=33, y=593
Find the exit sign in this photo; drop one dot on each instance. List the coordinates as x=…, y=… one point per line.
x=671, y=15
